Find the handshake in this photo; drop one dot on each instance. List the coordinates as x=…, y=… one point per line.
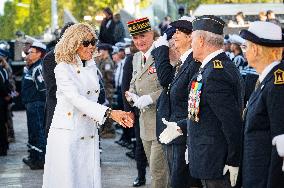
x=125, y=119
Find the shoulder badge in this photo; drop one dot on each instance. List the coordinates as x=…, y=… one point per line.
x=217, y=64
x=279, y=77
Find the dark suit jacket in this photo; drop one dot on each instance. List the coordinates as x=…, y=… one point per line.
x=215, y=140
x=165, y=73
x=263, y=121
x=48, y=66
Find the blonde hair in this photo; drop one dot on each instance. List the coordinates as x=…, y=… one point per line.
x=66, y=49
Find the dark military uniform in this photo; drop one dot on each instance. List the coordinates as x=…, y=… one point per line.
x=34, y=97
x=214, y=132
x=172, y=105
x=263, y=121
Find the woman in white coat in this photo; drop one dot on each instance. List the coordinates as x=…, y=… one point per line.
x=72, y=158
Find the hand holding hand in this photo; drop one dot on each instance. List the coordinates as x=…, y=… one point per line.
x=161, y=41
x=122, y=118
x=143, y=101
x=131, y=96
x=233, y=174
x=169, y=133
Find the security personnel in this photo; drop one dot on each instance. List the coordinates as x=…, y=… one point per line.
x=144, y=92
x=178, y=101
x=264, y=128
x=214, y=110
x=34, y=96
x=106, y=67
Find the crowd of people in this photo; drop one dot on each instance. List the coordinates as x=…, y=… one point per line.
x=200, y=108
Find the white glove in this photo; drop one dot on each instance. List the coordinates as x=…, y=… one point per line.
x=161, y=41
x=278, y=141
x=233, y=174
x=143, y=101
x=131, y=97
x=169, y=133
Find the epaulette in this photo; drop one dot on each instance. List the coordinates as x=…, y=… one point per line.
x=217, y=64
x=278, y=77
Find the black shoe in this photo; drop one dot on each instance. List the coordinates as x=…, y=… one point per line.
x=130, y=146
x=130, y=154
x=36, y=165
x=27, y=160
x=139, y=182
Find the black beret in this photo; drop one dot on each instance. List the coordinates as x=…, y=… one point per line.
x=209, y=23
x=170, y=32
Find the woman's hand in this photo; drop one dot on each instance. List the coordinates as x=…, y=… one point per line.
x=122, y=118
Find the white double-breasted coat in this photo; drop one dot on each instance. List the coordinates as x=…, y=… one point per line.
x=72, y=154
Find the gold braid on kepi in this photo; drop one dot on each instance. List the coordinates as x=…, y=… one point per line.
x=139, y=26
x=65, y=49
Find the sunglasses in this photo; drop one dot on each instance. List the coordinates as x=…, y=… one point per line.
x=93, y=42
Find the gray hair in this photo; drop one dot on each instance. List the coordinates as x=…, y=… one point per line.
x=211, y=39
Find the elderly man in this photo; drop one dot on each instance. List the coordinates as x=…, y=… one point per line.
x=144, y=92
x=264, y=128
x=34, y=96
x=214, y=108
x=174, y=102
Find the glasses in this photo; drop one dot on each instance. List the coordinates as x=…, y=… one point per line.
x=93, y=42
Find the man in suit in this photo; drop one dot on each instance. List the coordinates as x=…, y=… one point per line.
x=214, y=108
x=175, y=100
x=262, y=161
x=144, y=92
x=48, y=66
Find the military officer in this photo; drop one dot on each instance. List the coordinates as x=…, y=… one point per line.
x=262, y=161
x=214, y=108
x=144, y=92
x=178, y=101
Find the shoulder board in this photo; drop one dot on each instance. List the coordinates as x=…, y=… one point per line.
x=217, y=64
x=278, y=77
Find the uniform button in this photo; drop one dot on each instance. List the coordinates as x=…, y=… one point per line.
x=157, y=110
x=78, y=71
x=143, y=110
x=88, y=92
x=69, y=113
x=84, y=115
x=92, y=136
x=82, y=138
x=140, y=79
x=140, y=89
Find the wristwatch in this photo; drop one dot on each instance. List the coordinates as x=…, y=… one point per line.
x=108, y=112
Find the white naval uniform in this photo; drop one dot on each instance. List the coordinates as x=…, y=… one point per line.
x=72, y=153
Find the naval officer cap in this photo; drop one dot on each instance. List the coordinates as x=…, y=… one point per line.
x=183, y=24
x=39, y=45
x=209, y=23
x=264, y=34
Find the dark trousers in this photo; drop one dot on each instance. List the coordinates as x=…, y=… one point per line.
x=140, y=156
x=3, y=129
x=217, y=183
x=179, y=171
x=36, y=130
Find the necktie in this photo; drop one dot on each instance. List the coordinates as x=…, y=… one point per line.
x=144, y=60
x=257, y=84
x=178, y=65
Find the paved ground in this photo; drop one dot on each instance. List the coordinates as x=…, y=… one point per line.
x=118, y=171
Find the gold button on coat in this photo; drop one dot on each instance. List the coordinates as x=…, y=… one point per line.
x=88, y=92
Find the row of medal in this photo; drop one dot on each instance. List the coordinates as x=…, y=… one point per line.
x=194, y=99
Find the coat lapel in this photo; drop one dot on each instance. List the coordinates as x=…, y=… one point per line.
x=148, y=63
x=181, y=71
